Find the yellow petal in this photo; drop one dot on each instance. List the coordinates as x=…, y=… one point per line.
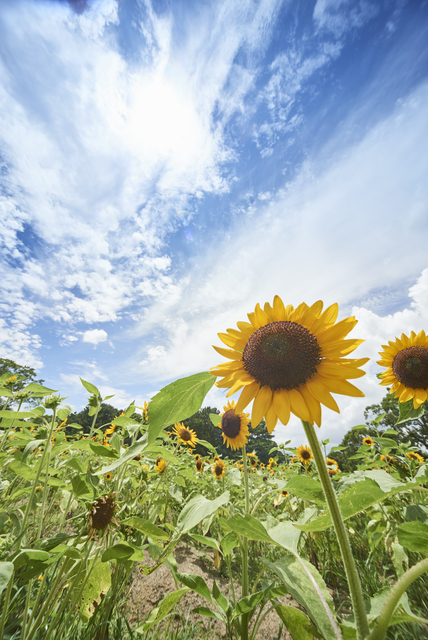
x=342, y=348
x=230, y=340
x=327, y=318
x=320, y=393
x=248, y=394
x=298, y=405
x=271, y=418
x=261, y=405
x=312, y=404
x=281, y=402
x=336, y=332
x=279, y=310
x=228, y=353
x=421, y=339
x=420, y=396
x=333, y=370
x=261, y=317
x=343, y=387
x=406, y=394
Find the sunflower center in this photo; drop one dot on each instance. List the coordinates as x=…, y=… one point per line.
x=185, y=435
x=282, y=355
x=410, y=367
x=231, y=424
x=305, y=455
x=218, y=469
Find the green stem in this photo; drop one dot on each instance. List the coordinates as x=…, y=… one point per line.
x=6, y=605
x=341, y=533
x=379, y=632
x=244, y=550
x=46, y=486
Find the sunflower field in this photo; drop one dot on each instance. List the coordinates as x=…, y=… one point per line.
x=324, y=553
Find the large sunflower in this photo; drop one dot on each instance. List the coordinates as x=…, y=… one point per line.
x=234, y=427
x=289, y=360
x=185, y=435
x=407, y=372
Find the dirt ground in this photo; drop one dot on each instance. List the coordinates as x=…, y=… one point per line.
x=147, y=591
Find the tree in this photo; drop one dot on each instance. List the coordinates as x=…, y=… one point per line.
x=106, y=414
x=25, y=376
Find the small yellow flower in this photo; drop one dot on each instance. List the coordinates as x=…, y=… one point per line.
x=185, y=435
x=415, y=456
x=108, y=476
x=284, y=494
x=219, y=469
x=305, y=454
x=368, y=441
x=160, y=465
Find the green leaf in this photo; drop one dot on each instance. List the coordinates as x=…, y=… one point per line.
x=229, y=542
x=134, y=450
x=219, y=598
x=33, y=444
x=215, y=418
x=248, y=603
x=118, y=552
x=90, y=387
x=29, y=557
x=296, y=623
x=18, y=415
x=178, y=401
x=96, y=587
x=360, y=496
x=6, y=571
x=197, y=509
x=417, y=512
x=103, y=451
x=386, y=443
x=408, y=413
x=285, y=533
x=297, y=581
x=207, y=612
x=195, y=583
x=38, y=390
x=80, y=487
x=207, y=445
x=414, y=536
x=359, y=426
x=306, y=488
x=124, y=421
x=161, y=612
x=338, y=449
x=5, y=393
x=209, y=542
x=250, y=527
x=146, y=527
x=28, y=473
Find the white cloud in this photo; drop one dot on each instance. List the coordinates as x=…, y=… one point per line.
x=95, y=336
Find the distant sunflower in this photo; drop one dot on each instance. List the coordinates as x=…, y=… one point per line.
x=368, y=441
x=331, y=463
x=304, y=453
x=234, y=427
x=407, y=372
x=289, y=360
x=219, y=469
x=185, y=435
x=160, y=465
x=253, y=462
x=415, y=456
x=199, y=465
x=108, y=476
x=332, y=472
x=251, y=455
x=284, y=494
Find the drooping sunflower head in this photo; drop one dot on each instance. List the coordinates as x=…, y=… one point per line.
x=304, y=454
x=160, y=465
x=234, y=427
x=368, y=441
x=185, y=435
x=199, y=464
x=415, y=457
x=406, y=360
x=219, y=469
x=101, y=513
x=289, y=360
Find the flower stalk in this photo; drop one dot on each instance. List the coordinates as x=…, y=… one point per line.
x=341, y=533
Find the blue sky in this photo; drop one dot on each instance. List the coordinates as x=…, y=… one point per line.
x=167, y=165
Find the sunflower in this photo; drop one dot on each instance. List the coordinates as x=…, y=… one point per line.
x=219, y=469
x=407, y=372
x=253, y=462
x=160, y=465
x=185, y=435
x=332, y=472
x=368, y=441
x=199, y=465
x=304, y=453
x=415, y=456
x=108, y=476
x=101, y=514
x=289, y=360
x=251, y=455
x=284, y=494
x=330, y=462
x=388, y=458
x=234, y=427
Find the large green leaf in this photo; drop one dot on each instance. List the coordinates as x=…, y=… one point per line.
x=210, y=542
x=197, y=509
x=178, y=401
x=195, y=583
x=296, y=623
x=96, y=587
x=146, y=527
x=229, y=542
x=360, y=496
x=6, y=571
x=301, y=587
x=250, y=527
x=306, y=488
x=29, y=557
x=161, y=612
x=414, y=536
x=408, y=412
x=134, y=450
x=103, y=451
x=119, y=552
x=38, y=390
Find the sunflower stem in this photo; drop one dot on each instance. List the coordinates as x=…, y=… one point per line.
x=245, y=616
x=341, y=533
